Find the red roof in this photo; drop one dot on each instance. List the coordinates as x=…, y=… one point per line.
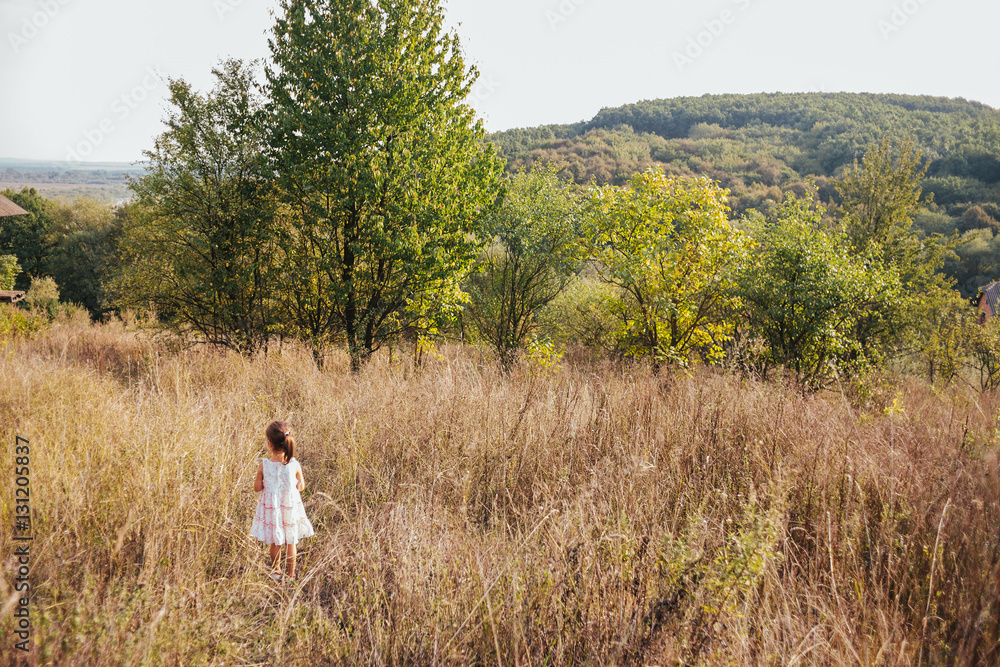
x=8, y=208
x=991, y=293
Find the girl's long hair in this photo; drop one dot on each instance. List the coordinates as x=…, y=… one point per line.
x=279, y=434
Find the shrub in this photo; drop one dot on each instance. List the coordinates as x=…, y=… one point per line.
x=9, y=269
x=581, y=315
x=43, y=295
x=16, y=322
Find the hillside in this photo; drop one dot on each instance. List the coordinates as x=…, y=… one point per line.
x=760, y=146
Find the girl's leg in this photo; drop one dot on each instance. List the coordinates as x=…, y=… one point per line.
x=275, y=556
x=290, y=559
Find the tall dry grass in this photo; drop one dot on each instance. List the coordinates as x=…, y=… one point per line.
x=591, y=515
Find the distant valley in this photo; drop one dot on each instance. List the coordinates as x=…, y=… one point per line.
x=103, y=181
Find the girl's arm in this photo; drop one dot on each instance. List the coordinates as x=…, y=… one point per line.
x=301, y=483
x=258, y=484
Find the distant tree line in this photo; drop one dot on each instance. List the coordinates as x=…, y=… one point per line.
x=67, y=176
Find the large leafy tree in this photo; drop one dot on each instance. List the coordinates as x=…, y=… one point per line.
x=383, y=161
x=803, y=293
x=667, y=245
x=532, y=258
x=84, y=238
x=201, y=242
x=881, y=197
x=27, y=236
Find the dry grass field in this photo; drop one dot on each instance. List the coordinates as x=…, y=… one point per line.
x=580, y=515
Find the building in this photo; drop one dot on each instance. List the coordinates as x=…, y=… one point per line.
x=11, y=296
x=9, y=209
x=987, y=301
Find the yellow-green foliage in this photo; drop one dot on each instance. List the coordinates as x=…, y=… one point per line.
x=542, y=355
x=667, y=245
x=9, y=270
x=589, y=515
x=582, y=315
x=43, y=295
x=16, y=322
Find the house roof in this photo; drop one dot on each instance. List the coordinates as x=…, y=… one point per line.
x=8, y=208
x=991, y=293
x=11, y=296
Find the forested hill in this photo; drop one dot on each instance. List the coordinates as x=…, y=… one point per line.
x=760, y=146
x=803, y=133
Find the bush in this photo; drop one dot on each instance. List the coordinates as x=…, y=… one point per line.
x=984, y=348
x=73, y=313
x=43, y=295
x=16, y=322
x=581, y=315
x=542, y=356
x=9, y=269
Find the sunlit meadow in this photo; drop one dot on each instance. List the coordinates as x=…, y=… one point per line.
x=574, y=513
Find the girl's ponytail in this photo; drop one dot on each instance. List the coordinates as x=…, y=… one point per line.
x=279, y=434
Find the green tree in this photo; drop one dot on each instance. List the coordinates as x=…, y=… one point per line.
x=27, y=236
x=84, y=238
x=9, y=270
x=977, y=218
x=803, y=292
x=43, y=295
x=201, y=243
x=881, y=197
x=532, y=258
x=977, y=261
x=983, y=345
x=667, y=245
x=948, y=334
x=383, y=162
x=582, y=315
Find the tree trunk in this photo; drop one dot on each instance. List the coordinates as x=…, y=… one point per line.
x=359, y=356
x=318, y=356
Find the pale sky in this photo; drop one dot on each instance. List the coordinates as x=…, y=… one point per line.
x=79, y=78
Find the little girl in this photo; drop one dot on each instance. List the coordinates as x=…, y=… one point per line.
x=280, y=517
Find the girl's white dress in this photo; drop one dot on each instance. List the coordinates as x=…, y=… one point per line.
x=280, y=517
